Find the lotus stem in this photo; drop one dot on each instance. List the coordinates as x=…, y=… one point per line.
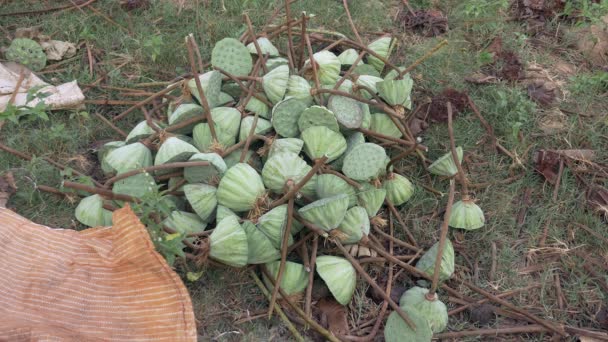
x=99, y=191
x=131, y=173
x=350, y=70
x=248, y=141
x=350, y=22
x=148, y=100
x=395, y=212
x=442, y=238
x=396, y=240
x=111, y=125
x=461, y=175
x=314, y=66
x=427, y=55
x=311, y=276
x=238, y=82
x=302, y=42
x=290, y=51
x=255, y=41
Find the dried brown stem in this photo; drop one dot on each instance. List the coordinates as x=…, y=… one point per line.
x=152, y=168
x=442, y=238
x=427, y=55
x=249, y=88
x=313, y=64
x=290, y=51
x=148, y=100
x=395, y=212
x=293, y=191
x=249, y=137
x=534, y=328
x=111, y=125
x=461, y=175
x=311, y=276
x=484, y=123
x=311, y=226
x=99, y=191
x=485, y=300
x=396, y=240
x=558, y=181
x=350, y=22
x=255, y=41
x=191, y=47
x=345, y=178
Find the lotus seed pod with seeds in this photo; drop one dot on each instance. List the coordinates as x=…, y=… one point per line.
x=396, y=92
x=91, y=213
x=426, y=263
x=184, y=222
x=329, y=185
x=371, y=198
x=285, y=116
x=285, y=166
x=136, y=186
x=398, y=188
x=326, y=213
x=256, y=106
x=293, y=145
x=251, y=158
x=321, y=141
x=339, y=276
x=365, y=69
x=129, y=157
x=294, y=280
x=328, y=67
x=383, y=47
x=352, y=140
x=397, y=330
x=232, y=56
x=262, y=127
x=202, y=199
x=266, y=47
x=224, y=99
x=299, y=88
x=184, y=112
x=318, y=116
x=435, y=312
x=260, y=249
x=348, y=112
x=382, y=123
x=273, y=63
x=354, y=226
x=205, y=174
x=273, y=224
x=223, y=212
x=445, y=166
x=466, y=215
x=103, y=152
x=226, y=121
x=140, y=131
x=228, y=243
x=240, y=188
x=27, y=53
x=364, y=162
x=211, y=82
x=348, y=57
x=368, y=82
x=275, y=83
x=173, y=150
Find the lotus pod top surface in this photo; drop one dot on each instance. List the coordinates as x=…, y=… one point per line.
x=364, y=162
x=339, y=276
x=26, y=52
x=318, y=116
x=266, y=47
x=232, y=56
x=348, y=112
x=285, y=115
x=293, y=145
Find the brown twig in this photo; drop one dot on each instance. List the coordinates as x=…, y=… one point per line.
x=558, y=181
x=492, y=274
x=427, y=55
x=22, y=72
x=348, y=180
x=311, y=276
x=290, y=51
x=395, y=212
x=443, y=236
x=111, y=125
x=314, y=66
x=488, y=127
x=152, y=168
x=201, y=93
x=249, y=137
x=99, y=191
x=350, y=22
x=485, y=300
x=534, y=328
x=461, y=175
x=255, y=41
x=396, y=240
x=148, y=100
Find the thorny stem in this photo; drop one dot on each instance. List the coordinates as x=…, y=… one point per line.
x=461, y=175
x=284, y=246
x=148, y=100
x=373, y=284
x=131, y=173
x=191, y=46
x=294, y=190
x=443, y=236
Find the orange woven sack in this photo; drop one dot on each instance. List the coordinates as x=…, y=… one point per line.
x=99, y=284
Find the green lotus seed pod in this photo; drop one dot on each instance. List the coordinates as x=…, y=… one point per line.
x=266, y=47
x=299, y=88
x=223, y=212
x=260, y=250
x=224, y=99
x=232, y=89
x=426, y=263
x=326, y=213
x=398, y=188
x=228, y=243
x=285, y=166
x=354, y=226
x=318, y=116
x=256, y=106
x=429, y=307
x=184, y=112
x=184, y=222
x=370, y=83
x=262, y=127
x=285, y=116
x=103, y=152
x=240, y=188
x=328, y=67
x=371, y=198
x=140, y=131
x=382, y=123
x=294, y=280
x=173, y=150
x=273, y=63
x=251, y=158
x=364, y=162
x=273, y=224
x=329, y=185
x=397, y=330
x=227, y=122
x=211, y=82
x=366, y=123
x=293, y=145
x=349, y=56
x=348, y=112
x=365, y=69
x=232, y=56
x=396, y=92
x=466, y=215
x=339, y=276
x=205, y=174
x=202, y=199
x=136, y=186
x=275, y=83
x=321, y=141
x=90, y=212
x=129, y=157
x=445, y=166
x=352, y=140
x=383, y=47
x=346, y=86
x=27, y=53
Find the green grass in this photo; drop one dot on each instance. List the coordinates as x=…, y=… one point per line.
x=152, y=45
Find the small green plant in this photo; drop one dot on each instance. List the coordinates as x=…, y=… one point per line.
x=152, y=46
x=479, y=8
x=14, y=113
x=517, y=106
x=590, y=11
x=590, y=83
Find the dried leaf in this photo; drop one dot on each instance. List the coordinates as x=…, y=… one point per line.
x=552, y=121
x=597, y=199
x=547, y=164
x=543, y=93
x=7, y=188
x=335, y=315
x=593, y=42
x=481, y=78
x=438, y=108
x=429, y=23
